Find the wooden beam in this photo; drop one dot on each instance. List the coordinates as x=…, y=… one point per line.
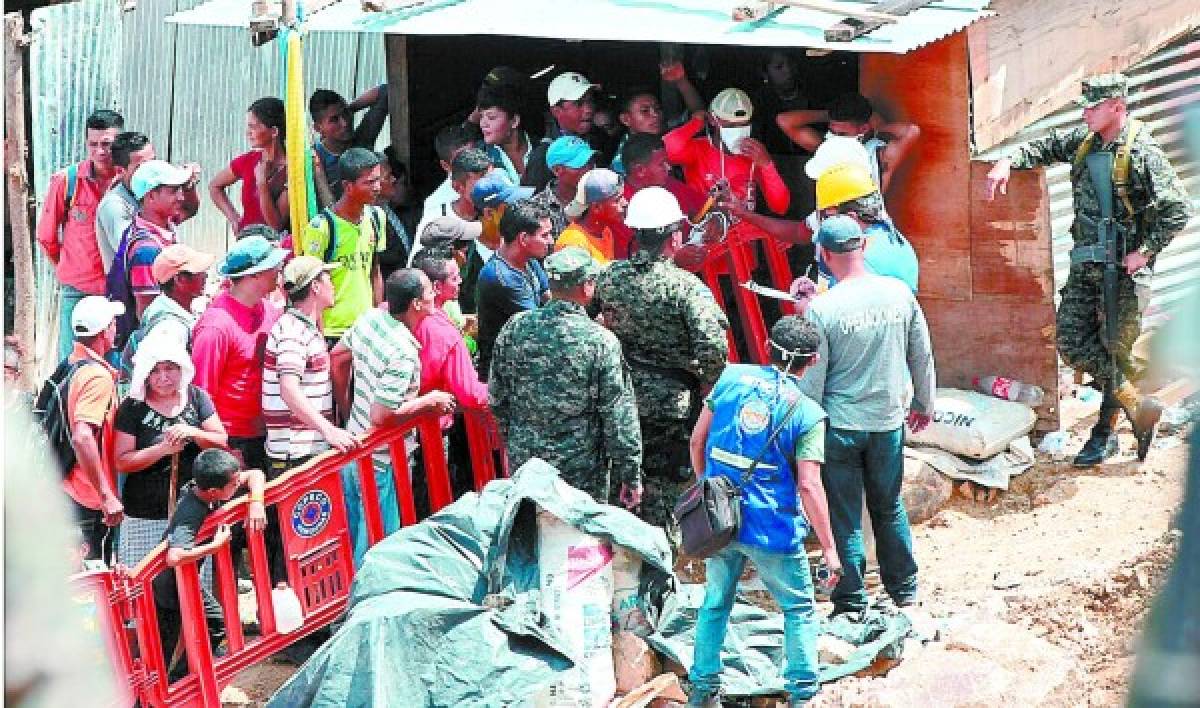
x=854, y=26
x=753, y=11
x=838, y=8
x=16, y=152
x=395, y=51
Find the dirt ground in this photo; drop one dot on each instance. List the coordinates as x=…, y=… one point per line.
x=1074, y=556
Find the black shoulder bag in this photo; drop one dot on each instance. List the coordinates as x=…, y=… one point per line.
x=709, y=512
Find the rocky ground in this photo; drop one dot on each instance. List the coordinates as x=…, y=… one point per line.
x=1039, y=595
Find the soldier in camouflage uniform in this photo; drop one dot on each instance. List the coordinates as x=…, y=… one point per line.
x=560, y=390
x=673, y=335
x=1160, y=209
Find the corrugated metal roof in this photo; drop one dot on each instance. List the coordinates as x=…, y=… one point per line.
x=683, y=21
x=1160, y=87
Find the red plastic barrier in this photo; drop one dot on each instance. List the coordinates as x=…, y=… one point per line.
x=734, y=258
x=310, y=506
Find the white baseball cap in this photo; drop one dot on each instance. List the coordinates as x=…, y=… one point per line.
x=568, y=86
x=93, y=314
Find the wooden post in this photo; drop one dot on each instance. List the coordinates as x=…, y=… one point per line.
x=395, y=48
x=16, y=152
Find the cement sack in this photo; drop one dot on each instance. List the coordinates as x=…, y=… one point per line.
x=577, y=596
x=995, y=472
x=628, y=615
x=974, y=424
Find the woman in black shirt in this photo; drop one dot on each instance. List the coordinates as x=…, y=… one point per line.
x=161, y=428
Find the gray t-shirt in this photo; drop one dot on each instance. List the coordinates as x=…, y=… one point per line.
x=873, y=338
x=114, y=214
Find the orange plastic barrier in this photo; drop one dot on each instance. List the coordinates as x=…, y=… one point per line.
x=310, y=506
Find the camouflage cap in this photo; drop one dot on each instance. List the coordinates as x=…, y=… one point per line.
x=570, y=267
x=1098, y=89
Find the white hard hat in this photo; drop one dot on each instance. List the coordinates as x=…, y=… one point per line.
x=835, y=150
x=653, y=208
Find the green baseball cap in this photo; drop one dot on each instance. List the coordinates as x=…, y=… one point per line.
x=1098, y=89
x=570, y=267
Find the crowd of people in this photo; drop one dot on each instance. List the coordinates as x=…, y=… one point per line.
x=546, y=282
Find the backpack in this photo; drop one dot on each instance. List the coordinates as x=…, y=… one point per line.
x=125, y=366
x=331, y=226
x=50, y=412
x=117, y=287
x=1120, y=174
x=72, y=185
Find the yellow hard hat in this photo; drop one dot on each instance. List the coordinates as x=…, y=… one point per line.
x=841, y=183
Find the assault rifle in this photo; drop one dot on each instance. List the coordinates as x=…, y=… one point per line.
x=1110, y=235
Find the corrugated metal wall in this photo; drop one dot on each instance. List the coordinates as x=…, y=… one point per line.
x=74, y=57
x=186, y=87
x=1160, y=87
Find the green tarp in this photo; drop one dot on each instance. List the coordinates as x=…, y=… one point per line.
x=447, y=612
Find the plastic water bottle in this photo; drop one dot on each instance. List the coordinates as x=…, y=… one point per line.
x=1010, y=389
x=288, y=615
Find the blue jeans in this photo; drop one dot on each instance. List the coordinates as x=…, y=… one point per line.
x=787, y=578
x=389, y=506
x=858, y=461
x=68, y=298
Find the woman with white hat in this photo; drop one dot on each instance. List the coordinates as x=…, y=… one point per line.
x=161, y=427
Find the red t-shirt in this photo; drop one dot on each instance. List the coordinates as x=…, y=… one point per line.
x=228, y=348
x=446, y=363
x=243, y=168
x=703, y=165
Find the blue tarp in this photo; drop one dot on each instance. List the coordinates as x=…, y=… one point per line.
x=448, y=612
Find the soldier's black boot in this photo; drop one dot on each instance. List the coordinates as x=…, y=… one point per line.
x=1144, y=413
x=1103, y=442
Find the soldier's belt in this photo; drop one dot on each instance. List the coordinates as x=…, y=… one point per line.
x=1095, y=253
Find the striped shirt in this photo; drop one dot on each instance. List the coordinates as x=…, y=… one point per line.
x=295, y=346
x=387, y=367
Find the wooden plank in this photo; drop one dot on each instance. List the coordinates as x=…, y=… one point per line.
x=1027, y=61
x=853, y=27
x=838, y=8
x=990, y=335
x=1011, y=251
x=929, y=197
x=395, y=49
x=16, y=153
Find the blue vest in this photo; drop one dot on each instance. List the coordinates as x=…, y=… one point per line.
x=747, y=403
x=888, y=253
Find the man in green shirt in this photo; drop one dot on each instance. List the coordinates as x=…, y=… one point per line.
x=351, y=234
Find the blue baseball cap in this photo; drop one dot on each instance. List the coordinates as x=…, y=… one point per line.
x=495, y=188
x=839, y=234
x=250, y=255
x=157, y=173
x=570, y=151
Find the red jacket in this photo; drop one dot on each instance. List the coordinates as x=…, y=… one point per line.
x=702, y=167
x=69, y=239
